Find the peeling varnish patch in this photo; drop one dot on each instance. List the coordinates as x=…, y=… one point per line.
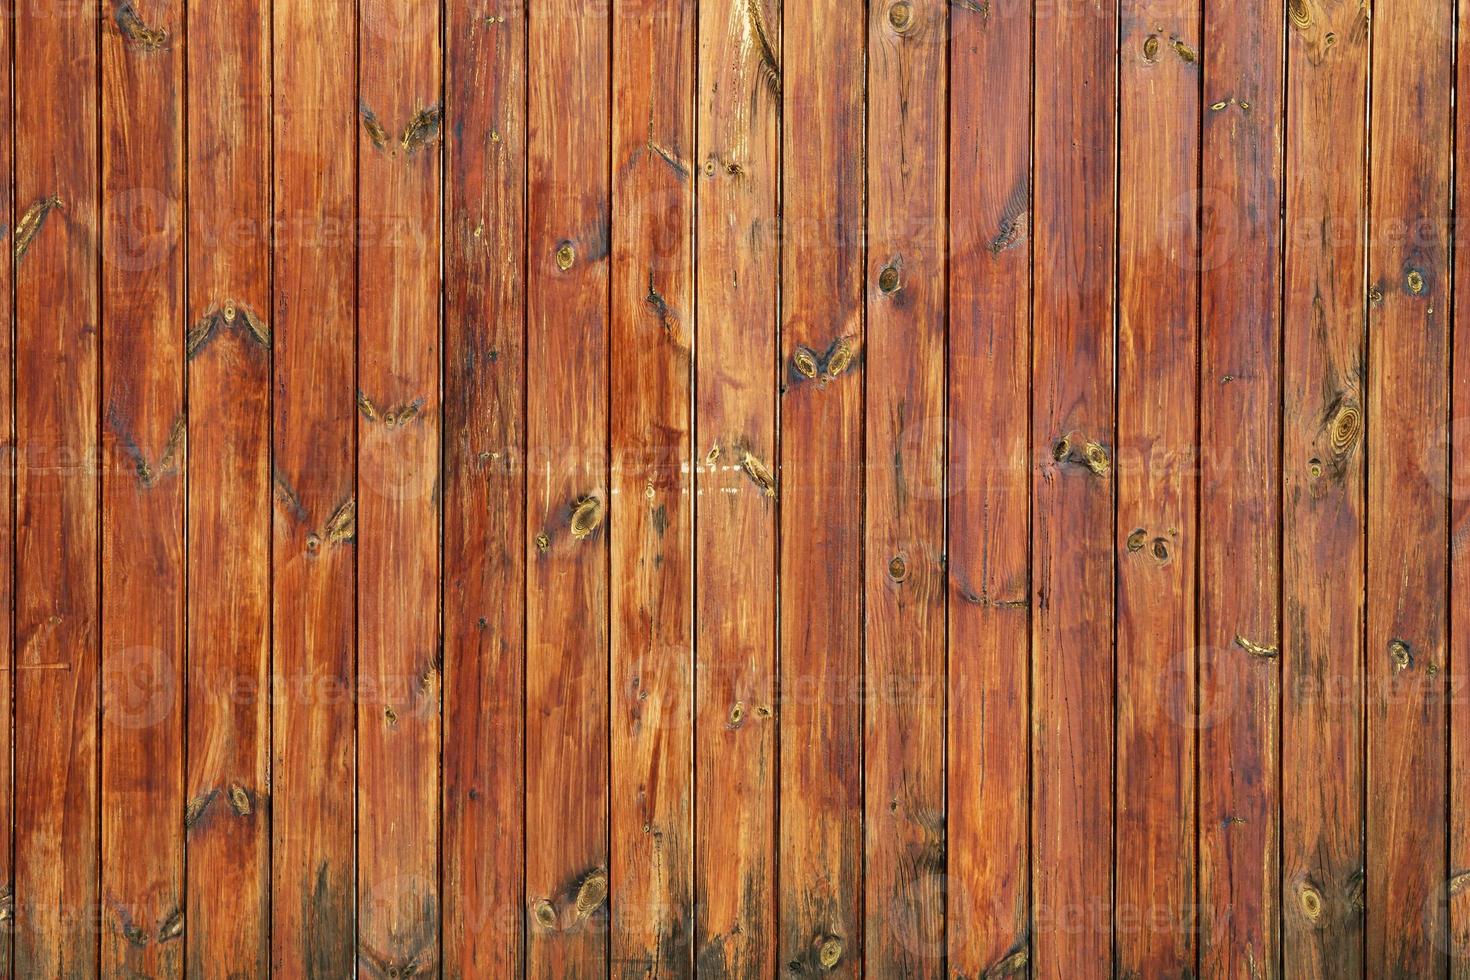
x=196, y=807
x=7, y=904
x=30, y=223
x=135, y=30
x=1257, y=649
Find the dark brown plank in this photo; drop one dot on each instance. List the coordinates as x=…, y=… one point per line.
x=229, y=377
x=143, y=431
x=821, y=830
x=652, y=513
x=988, y=768
x=739, y=91
x=1322, y=492
x=484, y=489
x=1072, y=488
x=567, y=491
x=1239, y=910
x=399, y=654
x=1156, y=515
x=57, y=309
x=1408, y=405
x=313, y=931
x=904, y=609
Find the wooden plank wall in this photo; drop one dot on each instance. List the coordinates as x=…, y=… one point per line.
x=734, y=488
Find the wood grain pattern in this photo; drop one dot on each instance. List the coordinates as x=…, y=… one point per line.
x=398, y=423
x=1240, y=254
x=1456, y=444
x=821, y=418
x=966, y=488
x=1072, y=555
x=8, y=215
x=143, y=471
x=227, y=783
x=652, y=504
x=1323, y=483
x=1408, y=370
x=904, y=573
x=1156, y=513
x=567, y=490
x=57, y=679
x=736, y=485
x=484, y=489
x=988, y=766
x=313, y=635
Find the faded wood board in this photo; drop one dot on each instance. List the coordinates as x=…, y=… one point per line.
x=228, y=353
x=962, y=489
x=1154, y=468
x=1409, y=289
x=1323, y=485
x=484, y=489
x=904, y=564
x=313, y=445
x=821, y=418
x=569, y=139
x=57, y=272
x=652, y=337
x=143, y=472
x=1456, y=444
x=1073, y=269
x=1239, y=649
x=397, y=536
x=988, y=764
x=738, y=157
x=8, y=215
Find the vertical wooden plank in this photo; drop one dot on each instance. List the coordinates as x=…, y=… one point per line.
x=1322, y=491
x=1240, y=514
x=143, y=327
x=904, y=614
x=313, y=931
x=652, y=511
x=484, y=488
x=1456, y=443
x=1072, y=488
x=1408, y=404
x=989, y=515
x=399, y=654
x=821, y=833
x=229, y=376
x=57, y=307
x=1156, y=515
x=738, y=227
x=8, y=215
x=567, y=493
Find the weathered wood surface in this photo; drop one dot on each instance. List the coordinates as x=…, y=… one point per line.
x=656, y=488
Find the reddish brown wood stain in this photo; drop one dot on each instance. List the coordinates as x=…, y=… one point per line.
x=737, y=488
